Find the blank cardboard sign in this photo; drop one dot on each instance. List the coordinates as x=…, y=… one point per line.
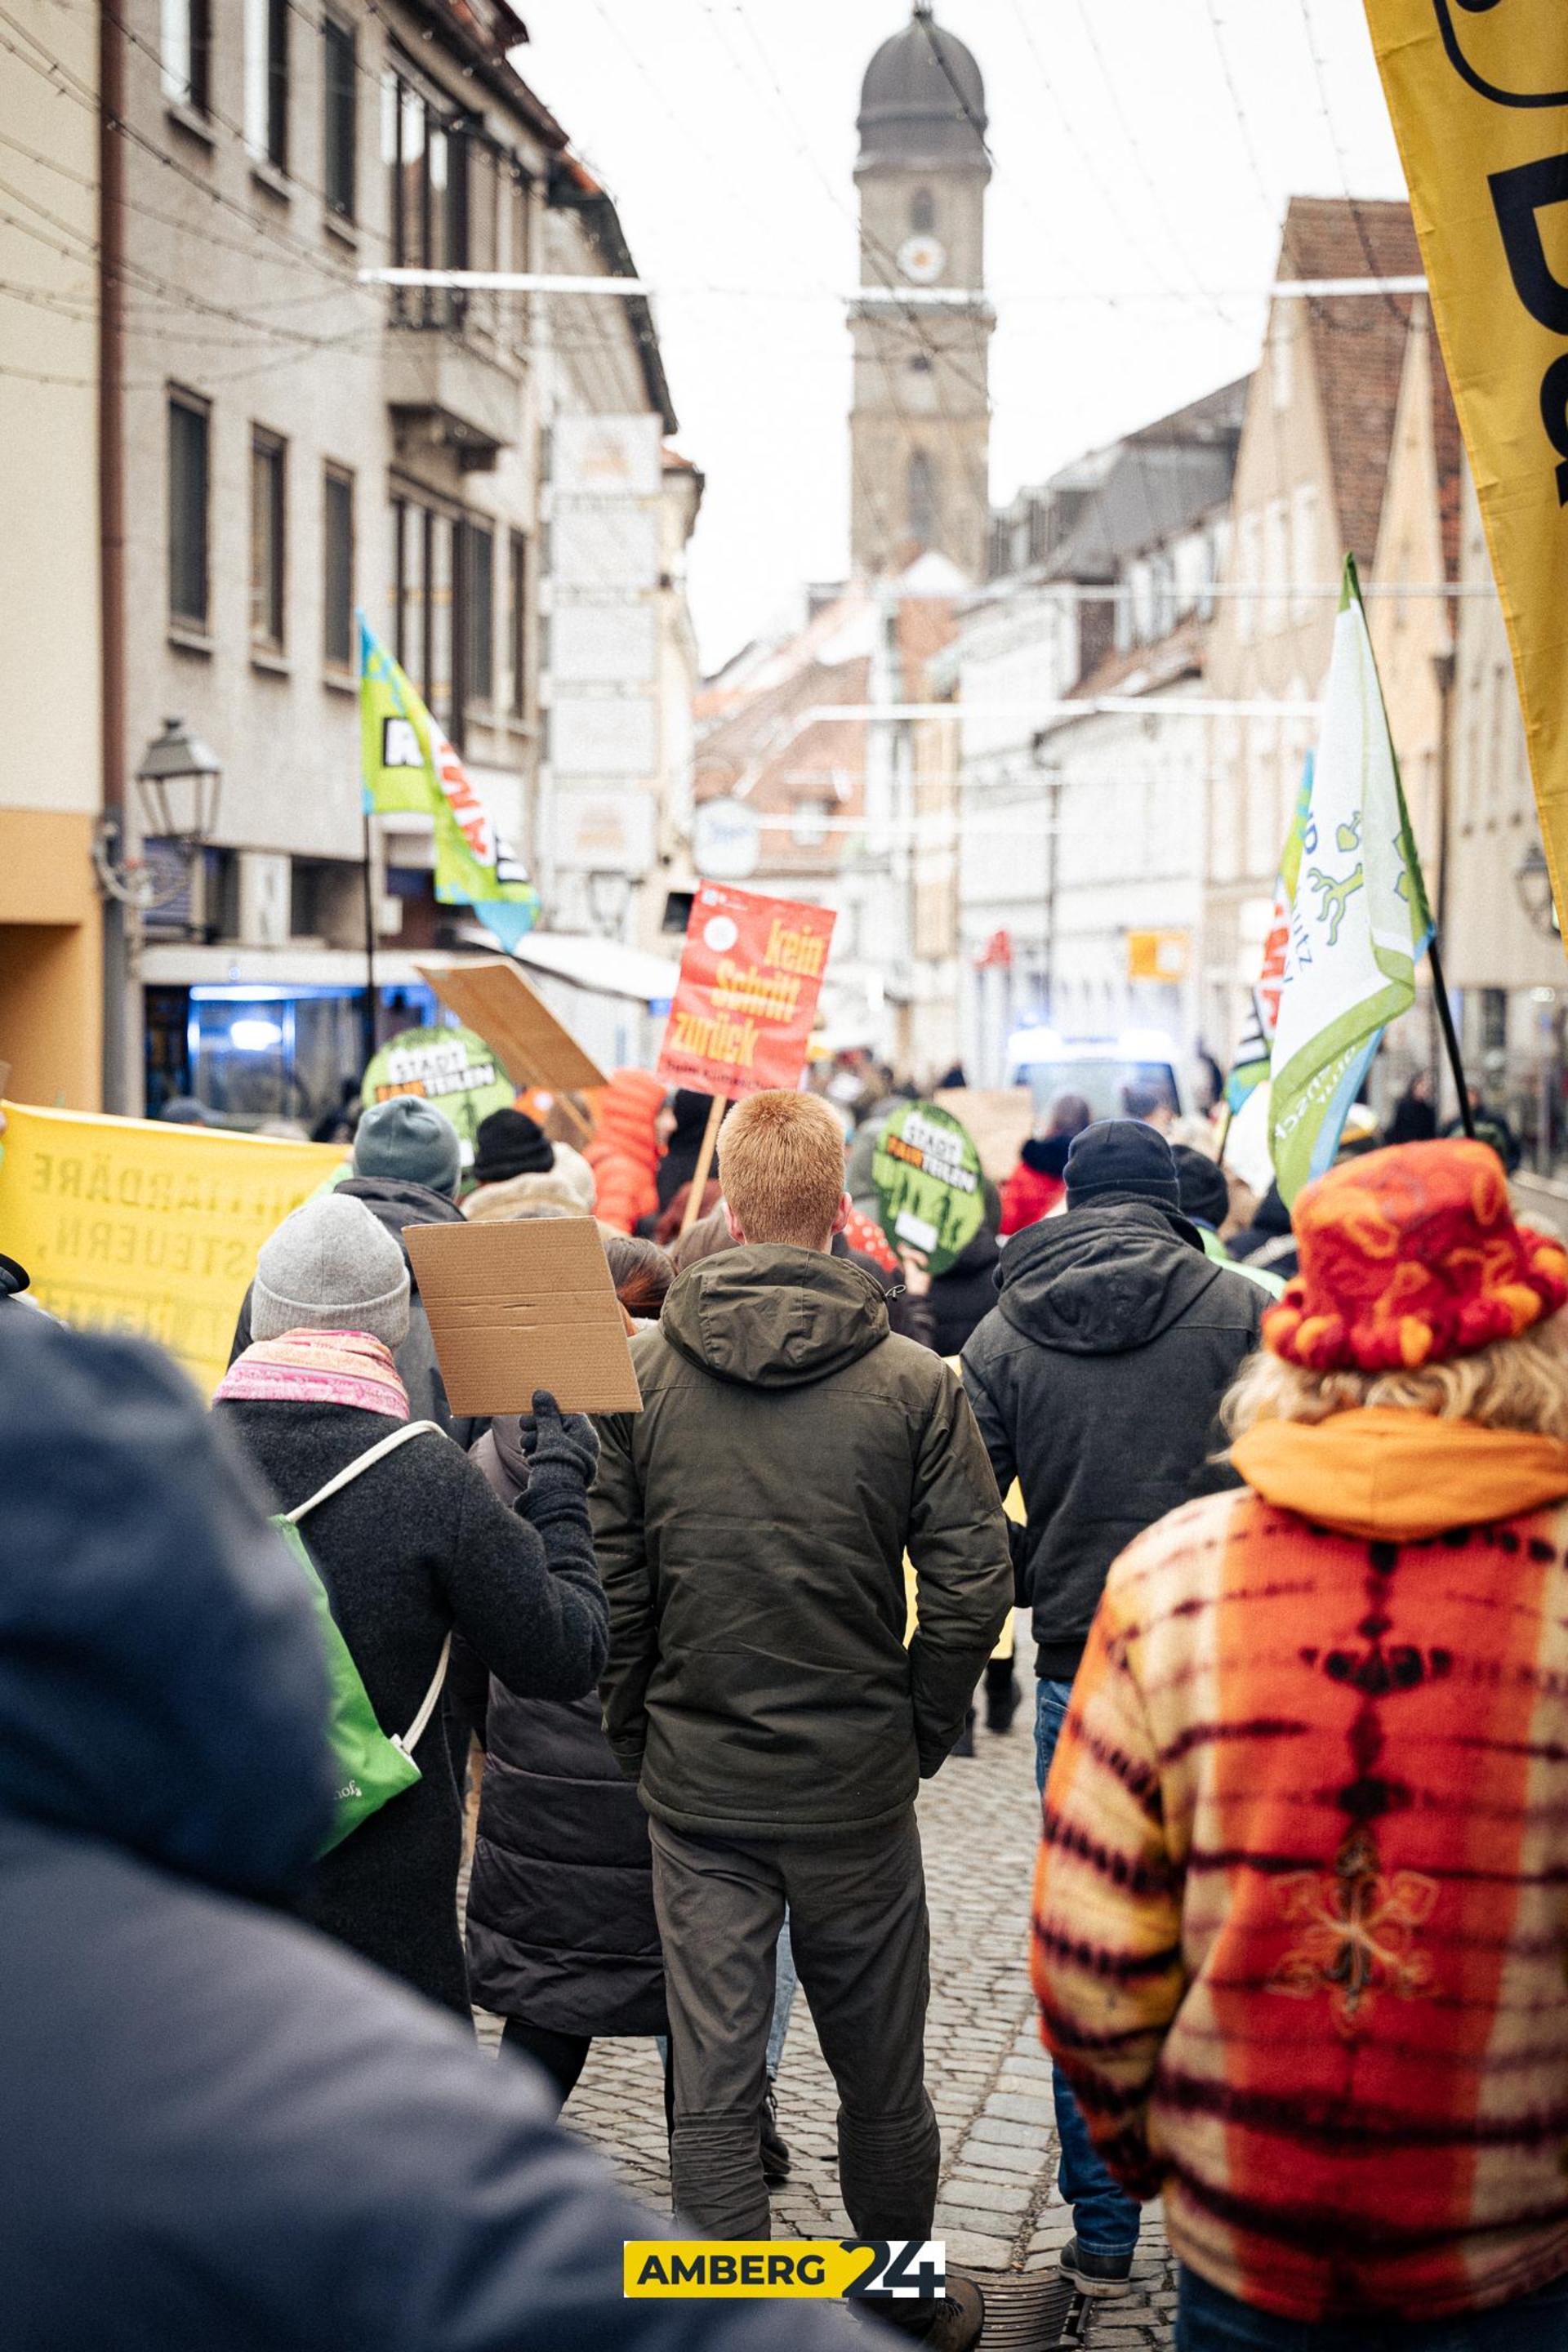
x=491, y=994
x=515, y=1307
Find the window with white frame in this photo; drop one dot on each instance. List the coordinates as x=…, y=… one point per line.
x=267, y=82
x=185, y=43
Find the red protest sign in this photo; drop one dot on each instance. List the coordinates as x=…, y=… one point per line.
x=746, y=998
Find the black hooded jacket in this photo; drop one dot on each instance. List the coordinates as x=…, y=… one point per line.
x=222, y=2131
x=1096, y=1380
x=751, y=1525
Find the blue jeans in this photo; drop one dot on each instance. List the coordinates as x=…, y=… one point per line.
x=1105, y=2218
x=1208, y=2321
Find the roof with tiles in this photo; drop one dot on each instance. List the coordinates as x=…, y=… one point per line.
x=1357, y=341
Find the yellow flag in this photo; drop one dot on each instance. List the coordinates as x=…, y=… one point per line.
x=1478, y=95
x=126, y=1224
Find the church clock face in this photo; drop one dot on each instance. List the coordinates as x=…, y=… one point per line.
x=923, y=259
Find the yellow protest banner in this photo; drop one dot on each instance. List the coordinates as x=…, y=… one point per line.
x=128, y=1225
x=1479, y=95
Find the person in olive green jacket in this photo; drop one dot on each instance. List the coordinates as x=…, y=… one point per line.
x=751, y=1525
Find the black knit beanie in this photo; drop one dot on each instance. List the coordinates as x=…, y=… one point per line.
x=510, y=1143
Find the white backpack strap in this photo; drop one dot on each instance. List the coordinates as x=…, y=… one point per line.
x=362, y=1463
x=416, y=1731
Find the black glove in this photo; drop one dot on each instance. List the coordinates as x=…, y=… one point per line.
x=552, y=1435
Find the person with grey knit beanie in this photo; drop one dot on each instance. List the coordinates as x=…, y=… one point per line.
x=331, y=1267
x=416, y=1549
x=407, y=1164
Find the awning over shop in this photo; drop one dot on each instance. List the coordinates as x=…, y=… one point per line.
x=604, y=966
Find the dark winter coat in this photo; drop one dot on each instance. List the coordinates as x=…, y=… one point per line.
x=221, y=2131
x=395, y=1204
x=417, y=1546
x=1270, y=1241
x=1096, y=1380
x=962, y=1297
x=751, y=1525
x=561, y=1921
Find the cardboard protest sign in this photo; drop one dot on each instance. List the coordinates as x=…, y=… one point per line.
x=1000, y=1118
x=491, y=996
x=744, y=1007
x=515, y=1307
x=453, y=1068
x=927, y=1174
x=127, y=1224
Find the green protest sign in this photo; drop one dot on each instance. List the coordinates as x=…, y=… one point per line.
x=453, y=1068
x=927, y=1174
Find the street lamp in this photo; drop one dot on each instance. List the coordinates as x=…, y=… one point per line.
x=1533, y=886
x=178, y=781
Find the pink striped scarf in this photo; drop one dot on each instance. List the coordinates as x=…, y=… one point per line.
x=318, y=1368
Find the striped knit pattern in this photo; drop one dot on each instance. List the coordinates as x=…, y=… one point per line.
x=1301, y=1913
x=348, y=1368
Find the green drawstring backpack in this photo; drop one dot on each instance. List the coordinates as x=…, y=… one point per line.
x=370, y=1769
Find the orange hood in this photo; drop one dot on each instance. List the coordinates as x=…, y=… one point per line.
x=1382, y=1474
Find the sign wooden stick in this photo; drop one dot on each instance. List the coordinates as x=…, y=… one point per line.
x=693, y=1208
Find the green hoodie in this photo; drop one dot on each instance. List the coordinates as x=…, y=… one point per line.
x=751, y=1525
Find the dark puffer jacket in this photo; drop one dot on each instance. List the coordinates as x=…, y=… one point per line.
x=751, y=1525
x=418, y=1546
x=561, y=1921
x=221, y=2131
x=1096, y=1380
x=963, y=1297
x=395, y=1204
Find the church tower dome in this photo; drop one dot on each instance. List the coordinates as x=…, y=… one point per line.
x=920, y=423
x=922, y=101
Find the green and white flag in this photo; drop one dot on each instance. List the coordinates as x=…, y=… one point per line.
x=1359, y=919
x=407, y=763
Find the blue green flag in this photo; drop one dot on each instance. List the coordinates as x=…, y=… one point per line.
x=408, y=764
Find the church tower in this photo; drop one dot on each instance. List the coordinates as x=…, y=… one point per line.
x=920, y=427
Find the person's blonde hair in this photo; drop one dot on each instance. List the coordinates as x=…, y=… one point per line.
x=1513, y=1384
x=781, y=1169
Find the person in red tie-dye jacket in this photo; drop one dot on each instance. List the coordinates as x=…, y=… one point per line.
x=1301, y=1911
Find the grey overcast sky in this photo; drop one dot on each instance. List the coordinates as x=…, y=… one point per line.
x=1145, y=152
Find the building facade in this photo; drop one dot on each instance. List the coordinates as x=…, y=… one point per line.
x=1082, y=836
x=51, y=981
x=291, y=446
x=1311, y=473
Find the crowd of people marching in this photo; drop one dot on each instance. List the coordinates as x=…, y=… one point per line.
x=1285, y=1497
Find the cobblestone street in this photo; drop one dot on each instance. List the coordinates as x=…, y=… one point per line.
x=988, y=2076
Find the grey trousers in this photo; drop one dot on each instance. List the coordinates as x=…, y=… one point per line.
x=862, y=1944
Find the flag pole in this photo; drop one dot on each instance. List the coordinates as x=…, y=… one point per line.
x=1450, y=1037
x=369, y=1017
x=693, y=1208
x=1223, y=1136
x=368, y=1023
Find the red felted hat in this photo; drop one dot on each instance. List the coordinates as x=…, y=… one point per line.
x=1409, y=1256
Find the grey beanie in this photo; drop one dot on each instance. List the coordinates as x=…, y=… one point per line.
x=409, y=1139
x=331, y=1267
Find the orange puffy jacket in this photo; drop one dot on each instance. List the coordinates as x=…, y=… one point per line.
x=624, y=1152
